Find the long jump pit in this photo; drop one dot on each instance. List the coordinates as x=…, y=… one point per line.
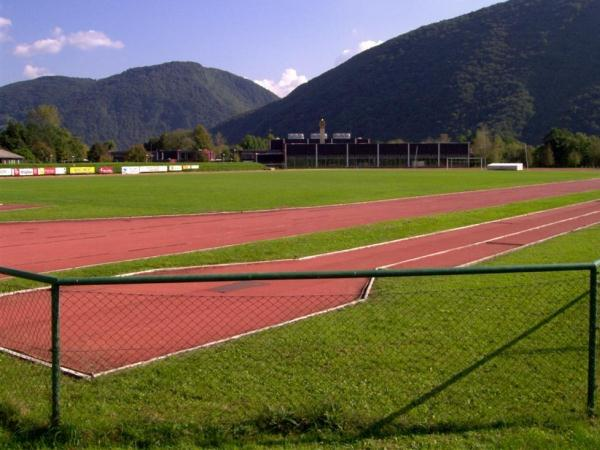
x=112, y=327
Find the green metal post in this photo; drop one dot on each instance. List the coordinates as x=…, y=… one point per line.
x=55, y=418
x=591, y=394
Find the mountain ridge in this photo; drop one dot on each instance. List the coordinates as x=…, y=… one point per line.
x=520, y=67
x=137, y=103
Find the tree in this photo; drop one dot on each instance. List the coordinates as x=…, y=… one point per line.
x=202, y=138
x=44, y=116
x=544, y=157
x=179, y=139
x=220, y=140
x=100, y=151
x=136, y=153
x=251, y=142
x=482, y=143
x=43, y=152
x=14, y=136
x=593, y=157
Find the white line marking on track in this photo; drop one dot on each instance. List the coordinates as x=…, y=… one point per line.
x=474, y=244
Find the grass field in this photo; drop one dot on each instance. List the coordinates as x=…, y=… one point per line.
x=414, y=366
x=117, y=196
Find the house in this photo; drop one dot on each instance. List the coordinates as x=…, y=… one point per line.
x=7, y=157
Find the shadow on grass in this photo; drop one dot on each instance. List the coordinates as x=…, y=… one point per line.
x=277, y=427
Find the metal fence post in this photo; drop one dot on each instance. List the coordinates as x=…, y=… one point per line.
x=55, y=417
x=591, y=390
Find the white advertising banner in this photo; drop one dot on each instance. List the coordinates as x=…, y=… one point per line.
x=26, y=172
x=130, y=170
x=175, y=168
x=153, y=169
x=60, y=170
x=6, y=172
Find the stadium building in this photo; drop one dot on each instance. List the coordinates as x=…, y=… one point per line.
x=341, y=150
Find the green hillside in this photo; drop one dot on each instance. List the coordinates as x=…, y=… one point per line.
x=138, y=103
x=521, y=67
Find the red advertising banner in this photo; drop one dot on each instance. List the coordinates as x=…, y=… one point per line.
x=50, y=171
x=106, y=170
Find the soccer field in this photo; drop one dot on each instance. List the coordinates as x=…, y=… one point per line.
x=122, y=196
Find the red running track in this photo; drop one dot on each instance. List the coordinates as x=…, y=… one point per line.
x=49, y=246
x=105, y=328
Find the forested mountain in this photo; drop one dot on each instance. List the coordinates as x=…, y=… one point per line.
x=520, y=67
x=138, y=103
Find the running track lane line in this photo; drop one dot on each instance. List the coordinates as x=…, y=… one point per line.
x=94, y=344
x=128, y=239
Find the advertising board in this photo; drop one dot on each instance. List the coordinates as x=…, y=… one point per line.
x=81, y=170
x=130, y=170
x=153, y=169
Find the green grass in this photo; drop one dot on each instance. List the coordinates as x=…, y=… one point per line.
x=114, y=196
x=357, y=378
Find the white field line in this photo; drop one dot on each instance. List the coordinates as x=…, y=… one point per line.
x=362, y=247
x=237, y=336
x=529, y=244
x=42, y=362
x=333, y=205
x=362, y=298
x=207, y=249
x=24, y=291
x=485, y=241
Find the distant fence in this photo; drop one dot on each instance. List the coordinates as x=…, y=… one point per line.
x=536, y=336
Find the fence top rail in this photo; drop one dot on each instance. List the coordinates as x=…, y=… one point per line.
x=28, y=275
x=379, y=273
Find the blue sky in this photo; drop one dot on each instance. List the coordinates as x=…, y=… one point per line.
x=280, y=43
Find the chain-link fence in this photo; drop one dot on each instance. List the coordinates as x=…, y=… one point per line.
x=416, y=344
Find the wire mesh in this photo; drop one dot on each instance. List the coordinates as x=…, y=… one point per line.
x=25, y=326
x=418, y=351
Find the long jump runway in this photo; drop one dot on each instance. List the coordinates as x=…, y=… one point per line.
x=106, y=328
x=52, y=245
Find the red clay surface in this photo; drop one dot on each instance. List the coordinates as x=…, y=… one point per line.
x=109, y=327
x=49, y=246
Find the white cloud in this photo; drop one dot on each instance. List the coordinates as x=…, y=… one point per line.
x=361, y=47
x=83, y=40
x=289, y=81
x=34, y=72
x=50, y=45
x=366, y=45
x=5, y=24
x=86, y=40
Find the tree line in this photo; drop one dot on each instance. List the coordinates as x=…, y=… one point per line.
x=560, y=148
x=42, y=138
